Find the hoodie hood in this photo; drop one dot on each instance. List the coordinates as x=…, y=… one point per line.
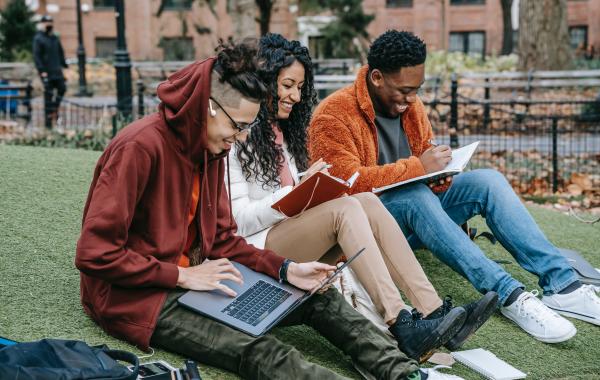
x=184, y=108
x=184, y=105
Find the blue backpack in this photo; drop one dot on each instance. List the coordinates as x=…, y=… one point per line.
x=58, y=359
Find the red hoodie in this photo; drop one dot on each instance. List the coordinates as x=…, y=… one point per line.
x=135, y=218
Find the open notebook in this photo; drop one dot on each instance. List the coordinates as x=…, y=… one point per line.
x=460, y=159
x=487, y=364
x=319, y=188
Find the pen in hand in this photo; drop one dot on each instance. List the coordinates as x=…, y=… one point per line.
x=327, y=166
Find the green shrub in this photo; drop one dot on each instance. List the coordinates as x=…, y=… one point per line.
x=443, y=63
x=16, y=31
x=85, y=139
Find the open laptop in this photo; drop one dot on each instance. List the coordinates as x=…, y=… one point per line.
x=261, y=303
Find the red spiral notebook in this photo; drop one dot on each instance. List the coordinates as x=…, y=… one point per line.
x=318, y=189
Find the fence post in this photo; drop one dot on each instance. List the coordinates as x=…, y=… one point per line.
x=140, y=93
x=554, y=154
x=114, y=125
x=453, y=127
x=486, y=107
x=28, y=94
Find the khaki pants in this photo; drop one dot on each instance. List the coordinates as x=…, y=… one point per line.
x=344, y=226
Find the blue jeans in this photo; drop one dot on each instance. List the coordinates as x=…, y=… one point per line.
x=434, y=221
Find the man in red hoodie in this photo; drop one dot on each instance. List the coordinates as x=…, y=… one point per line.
x=158, y=207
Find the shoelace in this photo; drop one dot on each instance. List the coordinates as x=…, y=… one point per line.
x=448, y=304
x=538, y=310
x=589, y=291
x=414, y=317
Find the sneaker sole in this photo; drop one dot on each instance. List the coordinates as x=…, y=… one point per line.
x=484, y=310
x=582, y=317
x=559, y=339
x=451, y=324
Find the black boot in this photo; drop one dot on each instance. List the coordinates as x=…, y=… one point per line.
x=418, y=337
x=477, y=313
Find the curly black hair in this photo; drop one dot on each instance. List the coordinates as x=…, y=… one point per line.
x=394, y=50
x=237, y=65
x=259, y=155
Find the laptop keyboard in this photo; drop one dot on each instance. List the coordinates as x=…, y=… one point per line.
x=256, y=303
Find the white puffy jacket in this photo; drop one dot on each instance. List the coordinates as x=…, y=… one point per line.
x=251, y=202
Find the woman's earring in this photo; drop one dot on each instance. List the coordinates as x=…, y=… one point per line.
x=213, y=113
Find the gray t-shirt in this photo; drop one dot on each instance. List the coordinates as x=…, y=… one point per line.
x=393, y=143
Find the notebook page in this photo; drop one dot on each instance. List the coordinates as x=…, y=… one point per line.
x=352, y=179
x=461, y=157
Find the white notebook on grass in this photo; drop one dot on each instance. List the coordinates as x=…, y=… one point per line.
x=487, y=364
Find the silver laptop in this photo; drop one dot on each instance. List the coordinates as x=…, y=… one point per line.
x=261, y=303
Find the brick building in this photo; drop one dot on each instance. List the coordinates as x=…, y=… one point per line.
x=189, y=29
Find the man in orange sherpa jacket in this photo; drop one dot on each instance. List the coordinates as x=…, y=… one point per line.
x=379, y=127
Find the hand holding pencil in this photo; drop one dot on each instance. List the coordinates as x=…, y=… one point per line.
x=317, y=166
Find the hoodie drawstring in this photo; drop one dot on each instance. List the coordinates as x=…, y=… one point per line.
x=229, y=194
x=205, y=186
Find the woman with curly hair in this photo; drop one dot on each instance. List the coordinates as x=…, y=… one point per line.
x=265, y=167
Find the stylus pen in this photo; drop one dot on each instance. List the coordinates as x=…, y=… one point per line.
x=326, y=166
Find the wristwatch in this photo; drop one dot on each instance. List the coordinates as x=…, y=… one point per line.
x=283, y=270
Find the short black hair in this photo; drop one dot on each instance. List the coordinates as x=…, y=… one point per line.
x=394, y=50
x=237, y=63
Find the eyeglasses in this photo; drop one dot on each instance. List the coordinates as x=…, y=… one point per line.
x=241, y=128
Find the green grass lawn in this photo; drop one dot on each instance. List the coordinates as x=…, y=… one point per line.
x=42, y=193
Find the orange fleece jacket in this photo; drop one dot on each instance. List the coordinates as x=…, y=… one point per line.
x=343, y=133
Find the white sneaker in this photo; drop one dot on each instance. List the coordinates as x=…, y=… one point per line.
x=538, y=320
x=433, y=374
x=582, y=303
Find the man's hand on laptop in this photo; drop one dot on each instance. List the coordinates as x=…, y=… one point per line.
x=308, y=276
x=208, y=276
x=436, y=158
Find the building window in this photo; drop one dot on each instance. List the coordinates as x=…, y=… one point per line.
x=178, y=48
x=467, y=42
x=467, y=2
x=318, y=47
x=579, y=37
x=515, y=41
x=105, y=47
x=398, y=3
x=104, y=4
x=178, y=4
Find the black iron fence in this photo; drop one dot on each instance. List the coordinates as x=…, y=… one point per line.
x=539, y=144
x=538, y=153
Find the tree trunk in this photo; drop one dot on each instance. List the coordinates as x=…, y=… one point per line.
x=264, y=8
x=544, y=35
x=507, y=33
